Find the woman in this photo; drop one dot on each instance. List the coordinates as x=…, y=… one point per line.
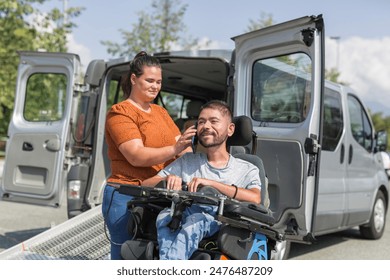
x=142, y=139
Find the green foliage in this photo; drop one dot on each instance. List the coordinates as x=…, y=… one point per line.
x=45, y=98
x=24, y=27
x=263, y=21
x=159, y=30
x=333, y=75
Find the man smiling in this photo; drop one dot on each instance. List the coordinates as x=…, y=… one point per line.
x=217, y=169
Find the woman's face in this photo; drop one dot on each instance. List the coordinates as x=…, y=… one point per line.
x=148, y=85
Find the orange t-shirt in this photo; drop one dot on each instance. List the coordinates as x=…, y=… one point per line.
x=126, y=122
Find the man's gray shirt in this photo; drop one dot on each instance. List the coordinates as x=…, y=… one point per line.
x=239, y=172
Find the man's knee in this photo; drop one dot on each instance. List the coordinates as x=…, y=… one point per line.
x=163, y=218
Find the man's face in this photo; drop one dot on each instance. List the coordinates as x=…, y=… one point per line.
x=213, y=128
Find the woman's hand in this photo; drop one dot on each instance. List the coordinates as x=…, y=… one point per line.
x=183, y=142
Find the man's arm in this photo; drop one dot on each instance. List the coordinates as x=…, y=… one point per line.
x=241, y=194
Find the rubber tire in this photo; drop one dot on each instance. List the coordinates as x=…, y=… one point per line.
x=376, y=226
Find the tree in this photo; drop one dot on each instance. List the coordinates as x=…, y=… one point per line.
x=24, y=27
x=263, y=21
x=333, y=75
x=157, y=31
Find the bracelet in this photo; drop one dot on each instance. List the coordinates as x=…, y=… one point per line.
x=235, y=193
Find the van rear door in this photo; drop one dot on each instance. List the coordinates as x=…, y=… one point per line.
x=37, y=134
x=279, y=83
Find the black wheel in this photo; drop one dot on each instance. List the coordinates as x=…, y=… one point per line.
x=376, y=226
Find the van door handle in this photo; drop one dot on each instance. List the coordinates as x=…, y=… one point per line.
x=350, y=155
x=28, y=147
x=342, y=153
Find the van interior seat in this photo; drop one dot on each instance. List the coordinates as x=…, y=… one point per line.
x=192, y=112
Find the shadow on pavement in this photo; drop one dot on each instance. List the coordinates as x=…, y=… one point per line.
x=324, y=241
x=10, y=239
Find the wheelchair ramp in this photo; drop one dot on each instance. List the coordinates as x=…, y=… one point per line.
x=80, y=238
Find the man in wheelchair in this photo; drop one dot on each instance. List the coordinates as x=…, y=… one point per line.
x=188, y=222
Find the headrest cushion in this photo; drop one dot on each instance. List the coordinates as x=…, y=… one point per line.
x=242, y=135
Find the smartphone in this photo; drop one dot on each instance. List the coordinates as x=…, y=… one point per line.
x=194, y=140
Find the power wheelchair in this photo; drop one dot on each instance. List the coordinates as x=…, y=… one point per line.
x=246, y=232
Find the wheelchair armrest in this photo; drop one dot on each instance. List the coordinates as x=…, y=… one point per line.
x=132, y=190
x=140, y=191
x=249, y=211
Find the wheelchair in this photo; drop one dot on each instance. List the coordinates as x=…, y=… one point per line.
x=246, y=232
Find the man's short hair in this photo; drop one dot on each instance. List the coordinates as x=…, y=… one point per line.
x=221, y=106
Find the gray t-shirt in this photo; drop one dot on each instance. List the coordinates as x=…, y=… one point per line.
x=239, y=172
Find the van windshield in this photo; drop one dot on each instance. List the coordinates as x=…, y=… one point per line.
x=281, y=88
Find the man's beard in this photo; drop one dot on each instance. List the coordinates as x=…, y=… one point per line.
x=217, y=141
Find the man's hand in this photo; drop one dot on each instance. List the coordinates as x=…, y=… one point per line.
x=174, y=182
x=197, y=183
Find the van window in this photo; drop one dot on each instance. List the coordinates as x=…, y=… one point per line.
x=281, y=88
x=45, y=97
x=114, y=93
x=360, y=125
x=173, y=103
x=333, y=120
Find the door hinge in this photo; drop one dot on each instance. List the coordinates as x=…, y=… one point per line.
x=308, y=36
x=311, y=145
x=312, y=148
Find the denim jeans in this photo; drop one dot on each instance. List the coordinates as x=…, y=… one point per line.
x=116, y=216
x=198, y=222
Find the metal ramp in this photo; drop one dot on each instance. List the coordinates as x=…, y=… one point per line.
x=80, y=238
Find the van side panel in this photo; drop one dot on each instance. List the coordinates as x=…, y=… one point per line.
x=283, y=166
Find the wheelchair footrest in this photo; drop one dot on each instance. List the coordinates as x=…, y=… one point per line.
x=241, y=244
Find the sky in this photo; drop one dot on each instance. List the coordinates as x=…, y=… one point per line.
x=361, y=53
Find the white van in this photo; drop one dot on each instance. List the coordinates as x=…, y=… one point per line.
x=384, y=157
x=315, y=138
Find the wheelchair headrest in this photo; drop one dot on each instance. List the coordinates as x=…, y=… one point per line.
x=242, y=135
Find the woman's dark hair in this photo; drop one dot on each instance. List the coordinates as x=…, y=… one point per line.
x=137, y=68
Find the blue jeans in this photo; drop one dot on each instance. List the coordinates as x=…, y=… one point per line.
x=116, y=216
x=198, y=222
